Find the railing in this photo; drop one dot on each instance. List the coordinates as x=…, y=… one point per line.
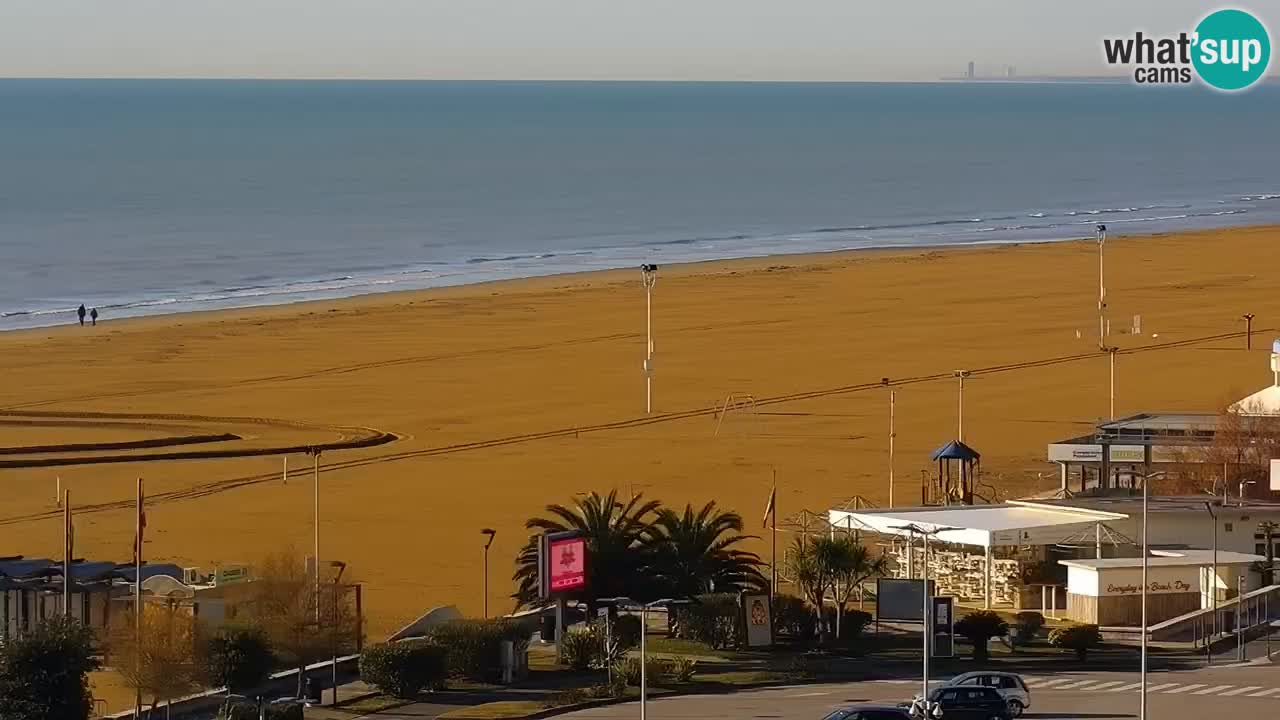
x=1243, y=614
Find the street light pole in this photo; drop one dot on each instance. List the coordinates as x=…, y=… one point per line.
x=1101, y=232
x=1146, y=494
x=962, y=374
x=1111, y=351
x=926, y=617
x=1248, y=330
x=490, y=532
x=893, y=398
x=649, y=273
x=315, y=557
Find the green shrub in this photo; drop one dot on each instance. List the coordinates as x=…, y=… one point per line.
x=683, y=668
x=238, y=710
x=626, y=628
x=404, y=669
x=657, y=670
x=237, y=658
x=795, y=618
x=1080, y=638
x=979, y=627
x=853, y=623
x=568, y=696
x=582, y=648
x=285, y=711
x=1026, y=626
x=628, y=670
x=474, y=647
x=713, y=620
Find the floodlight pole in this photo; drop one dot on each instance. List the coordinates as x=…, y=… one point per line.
x=962, y=374
x=1101, y=232
x=649, y=274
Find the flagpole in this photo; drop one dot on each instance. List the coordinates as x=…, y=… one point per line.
x=66, y=552
x=773, y=516
x=137, y=603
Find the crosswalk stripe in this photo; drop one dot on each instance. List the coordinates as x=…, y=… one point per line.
x=1156, y=688
x=1102, y=686
x=1048, y=683
x=1135, y=686
x=1185, y=688
x=1074, y=685
x=1241, y=691
x=1265, y=693
x=1212, y=690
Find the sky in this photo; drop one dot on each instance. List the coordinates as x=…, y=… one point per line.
x=821, y=40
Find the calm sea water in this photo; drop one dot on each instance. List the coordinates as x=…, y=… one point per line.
x=144, y=197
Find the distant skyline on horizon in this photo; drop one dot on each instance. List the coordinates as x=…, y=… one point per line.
x=662, y=40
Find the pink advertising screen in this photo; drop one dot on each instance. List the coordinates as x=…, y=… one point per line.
x=567, y=564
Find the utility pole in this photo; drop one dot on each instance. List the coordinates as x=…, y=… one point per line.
x=315, y=455
x=1111, y=351
x=1248, y=330
x=962, y=374
x=893, y=397
x=649, y=273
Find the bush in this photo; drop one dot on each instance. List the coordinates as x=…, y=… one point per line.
x=852, y=625
x=793, y=617
x=284, y=711
x=581, y=649
x=979, y=627
x=628, y=670
x=238, y=710
x=404, y=669
x=1026, y=626
x=237, y=658
x=474, y=647
x=1080, y=638
x=713, y=620
x=683, y=668
x=626, y=628
x=657, y=670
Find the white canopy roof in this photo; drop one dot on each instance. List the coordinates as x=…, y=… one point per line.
x=1168, y=558
x=1264, y=402
x=1011, y=523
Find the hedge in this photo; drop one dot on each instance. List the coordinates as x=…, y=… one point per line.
x=404, y=669
x=474, y=647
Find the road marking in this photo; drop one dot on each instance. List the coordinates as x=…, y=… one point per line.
x=1241, y=691
x=808, y=694
x=1135, y=686
x=1212, y=690
x=1156, y=688
x=1185, y=688
x=1101, y=686
x=1075, y=685
x=1047, y=683
x=1265, y=693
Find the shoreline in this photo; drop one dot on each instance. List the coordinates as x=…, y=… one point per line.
x=602, y=275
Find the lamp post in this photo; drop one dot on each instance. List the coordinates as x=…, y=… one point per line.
x=333, y=666
x=490, y=533
x=644, y=626
x=649, y=273
x=1146, y=481
x=1214, y=580
x=926, y=625
x=1248, y=330
x=1240, y=495
x=962, y=374
x=1111, y=351
x=314, y=452
x=1101, y=232
x=893, y=399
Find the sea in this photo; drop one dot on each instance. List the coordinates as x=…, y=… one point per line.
x=156, y=196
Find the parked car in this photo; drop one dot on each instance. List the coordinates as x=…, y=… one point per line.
x=1010, y=686
x=870, y=712
x=970, y=702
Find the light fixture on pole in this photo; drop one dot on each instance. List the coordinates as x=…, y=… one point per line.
x=490, y=533
x=1101, y=232
x=1146, y=495
x=1243, y=483
x=1248, y=330
x=649, y=273
x=644, y=626
x=962, y=374
x=926, y=626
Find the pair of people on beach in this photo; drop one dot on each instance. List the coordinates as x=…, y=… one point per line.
x=93, y=315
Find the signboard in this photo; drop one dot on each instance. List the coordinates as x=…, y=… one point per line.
x=900, y=600
x=1131, y=454
x=230, y=574
x=943, y=638
x=1154, y=587
x=566, y=564
x=759, y=620
x=1275, y=475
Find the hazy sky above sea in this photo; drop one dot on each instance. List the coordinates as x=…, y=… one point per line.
x=577, y=39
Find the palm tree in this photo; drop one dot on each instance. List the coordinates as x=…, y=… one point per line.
x=831, y=567
x=619, y=539
x=694, y=553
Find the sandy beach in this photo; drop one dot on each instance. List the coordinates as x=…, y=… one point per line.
x=512, y=395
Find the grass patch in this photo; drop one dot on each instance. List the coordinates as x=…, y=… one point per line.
x=496, y=710
x=373, y=704
x=743, y=678
x=689, y=648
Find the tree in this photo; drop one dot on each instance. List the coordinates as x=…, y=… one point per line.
x=1268, y=528
x=811, y=576
x=302, y=627
x=694, y=553
x=1245, y=439
x=832, y=567
x=979, y=627
x=45, y=673
x=162, y=662
x=237, y=658
x=619, y=537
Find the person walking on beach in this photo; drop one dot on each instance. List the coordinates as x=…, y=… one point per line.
x=93, y=317
x=80, y=312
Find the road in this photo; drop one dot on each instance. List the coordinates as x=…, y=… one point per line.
x=1223, y=692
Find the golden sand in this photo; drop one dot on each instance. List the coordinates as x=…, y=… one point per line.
x=511, y=395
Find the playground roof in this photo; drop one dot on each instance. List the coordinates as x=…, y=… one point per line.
x=1011, y=523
